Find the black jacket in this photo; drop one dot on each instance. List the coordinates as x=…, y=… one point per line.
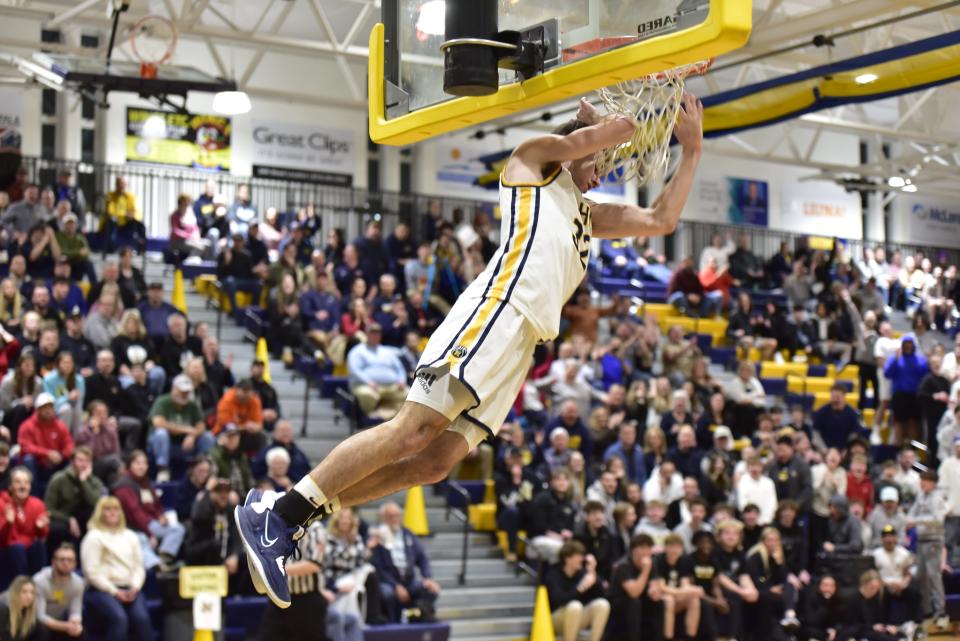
x=110, y=391
x=792, y=480
x=141, y=399
x=764, y=578
x=84, y=353
x=795, y=548
x=39, y=632
x=267, y=394
x=562, y=589
x=218, y=375
x=860, y=613
x=120, y=346
x=172, y=354
x=212, y=535
x=551, y=514
x=601, y=546
x=932, y=409
x=820, y=614
x=239, y=265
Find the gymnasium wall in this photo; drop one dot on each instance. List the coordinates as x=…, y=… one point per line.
x=242, y=135
x=794, y=202
x=927, y=224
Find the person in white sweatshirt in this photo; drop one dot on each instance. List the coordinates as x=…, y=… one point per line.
x=949, y=486
x=113, y=568
x=758, y=489
x=829, y=479
x=947, y=431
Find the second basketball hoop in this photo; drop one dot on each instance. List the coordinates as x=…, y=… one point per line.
x=153, y=40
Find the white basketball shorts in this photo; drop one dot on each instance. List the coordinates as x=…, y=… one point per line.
x=474, y=366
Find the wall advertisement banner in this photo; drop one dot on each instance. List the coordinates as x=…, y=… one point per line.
x=731, y=201
x=820, y=208
x=201, y=141
x=307, y=153
x=927, y=221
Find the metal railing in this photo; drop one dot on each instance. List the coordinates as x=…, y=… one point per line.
x=158, y=187
x=464, y=517
x=691, y=237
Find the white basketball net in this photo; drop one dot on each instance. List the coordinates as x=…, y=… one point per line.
x=653, y=102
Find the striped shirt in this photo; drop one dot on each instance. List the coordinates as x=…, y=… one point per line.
x=343, y=557
x=311, y=547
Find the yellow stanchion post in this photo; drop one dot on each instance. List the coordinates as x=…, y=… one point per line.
x=542, y=629
x=203, y=635
x=178, y=298
x=415, y=512
x=264, y=355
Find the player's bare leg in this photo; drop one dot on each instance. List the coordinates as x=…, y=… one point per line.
x=356, y=458
x=269, y=525
x=429, y=466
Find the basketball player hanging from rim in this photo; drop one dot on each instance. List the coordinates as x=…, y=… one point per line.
x=475, y=363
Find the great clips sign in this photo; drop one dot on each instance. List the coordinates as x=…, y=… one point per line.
x=306, y=153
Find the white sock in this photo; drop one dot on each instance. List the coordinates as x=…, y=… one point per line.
x=308, y=489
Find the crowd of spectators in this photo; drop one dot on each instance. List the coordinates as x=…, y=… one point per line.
x=664, y=497
x=669, y=499
x=127, y=438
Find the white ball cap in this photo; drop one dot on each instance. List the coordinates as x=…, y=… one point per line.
x=44, y=399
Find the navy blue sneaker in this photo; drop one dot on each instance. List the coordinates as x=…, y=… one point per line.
x=268, y=541
x=254, y=496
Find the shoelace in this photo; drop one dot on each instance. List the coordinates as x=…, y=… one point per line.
x=295, y=552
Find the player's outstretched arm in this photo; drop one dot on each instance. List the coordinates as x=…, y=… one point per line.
x=619, y=221
x=545, y=150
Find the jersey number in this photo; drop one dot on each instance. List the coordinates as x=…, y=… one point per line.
x=581, y=238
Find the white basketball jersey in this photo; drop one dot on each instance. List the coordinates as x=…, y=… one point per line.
x=545, y=232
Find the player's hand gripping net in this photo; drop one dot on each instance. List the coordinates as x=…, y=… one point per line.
x=653, y=103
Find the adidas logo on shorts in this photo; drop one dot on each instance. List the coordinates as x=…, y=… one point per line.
x=426, y=380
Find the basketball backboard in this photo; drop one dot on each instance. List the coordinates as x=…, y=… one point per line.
x=587, y=44
x=86, y=74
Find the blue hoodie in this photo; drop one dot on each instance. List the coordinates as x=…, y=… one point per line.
x=906, y=372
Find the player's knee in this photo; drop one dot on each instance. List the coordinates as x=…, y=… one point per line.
x=418, y=428
x=435, y=468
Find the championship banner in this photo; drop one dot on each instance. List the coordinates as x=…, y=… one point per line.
x=186, y=140
x=820, y=206
x=11, y=112
x=304, y=153
x=731, y=201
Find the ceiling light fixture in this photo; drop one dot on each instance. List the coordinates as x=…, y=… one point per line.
x=231, y=103
x=910, y=189
x=866, y=78
x=896, y=181
x=432, y=20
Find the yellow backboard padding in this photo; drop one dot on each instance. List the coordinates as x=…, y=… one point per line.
x=726, y=28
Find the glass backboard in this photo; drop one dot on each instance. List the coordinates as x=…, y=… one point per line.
x=597, y=43
x=587, y=27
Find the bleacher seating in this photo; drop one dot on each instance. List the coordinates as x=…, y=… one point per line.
x=242, y=617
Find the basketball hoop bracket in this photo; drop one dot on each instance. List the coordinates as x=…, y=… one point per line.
x=532, y=47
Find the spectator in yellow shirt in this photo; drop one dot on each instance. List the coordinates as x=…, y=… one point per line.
x=122, y=221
